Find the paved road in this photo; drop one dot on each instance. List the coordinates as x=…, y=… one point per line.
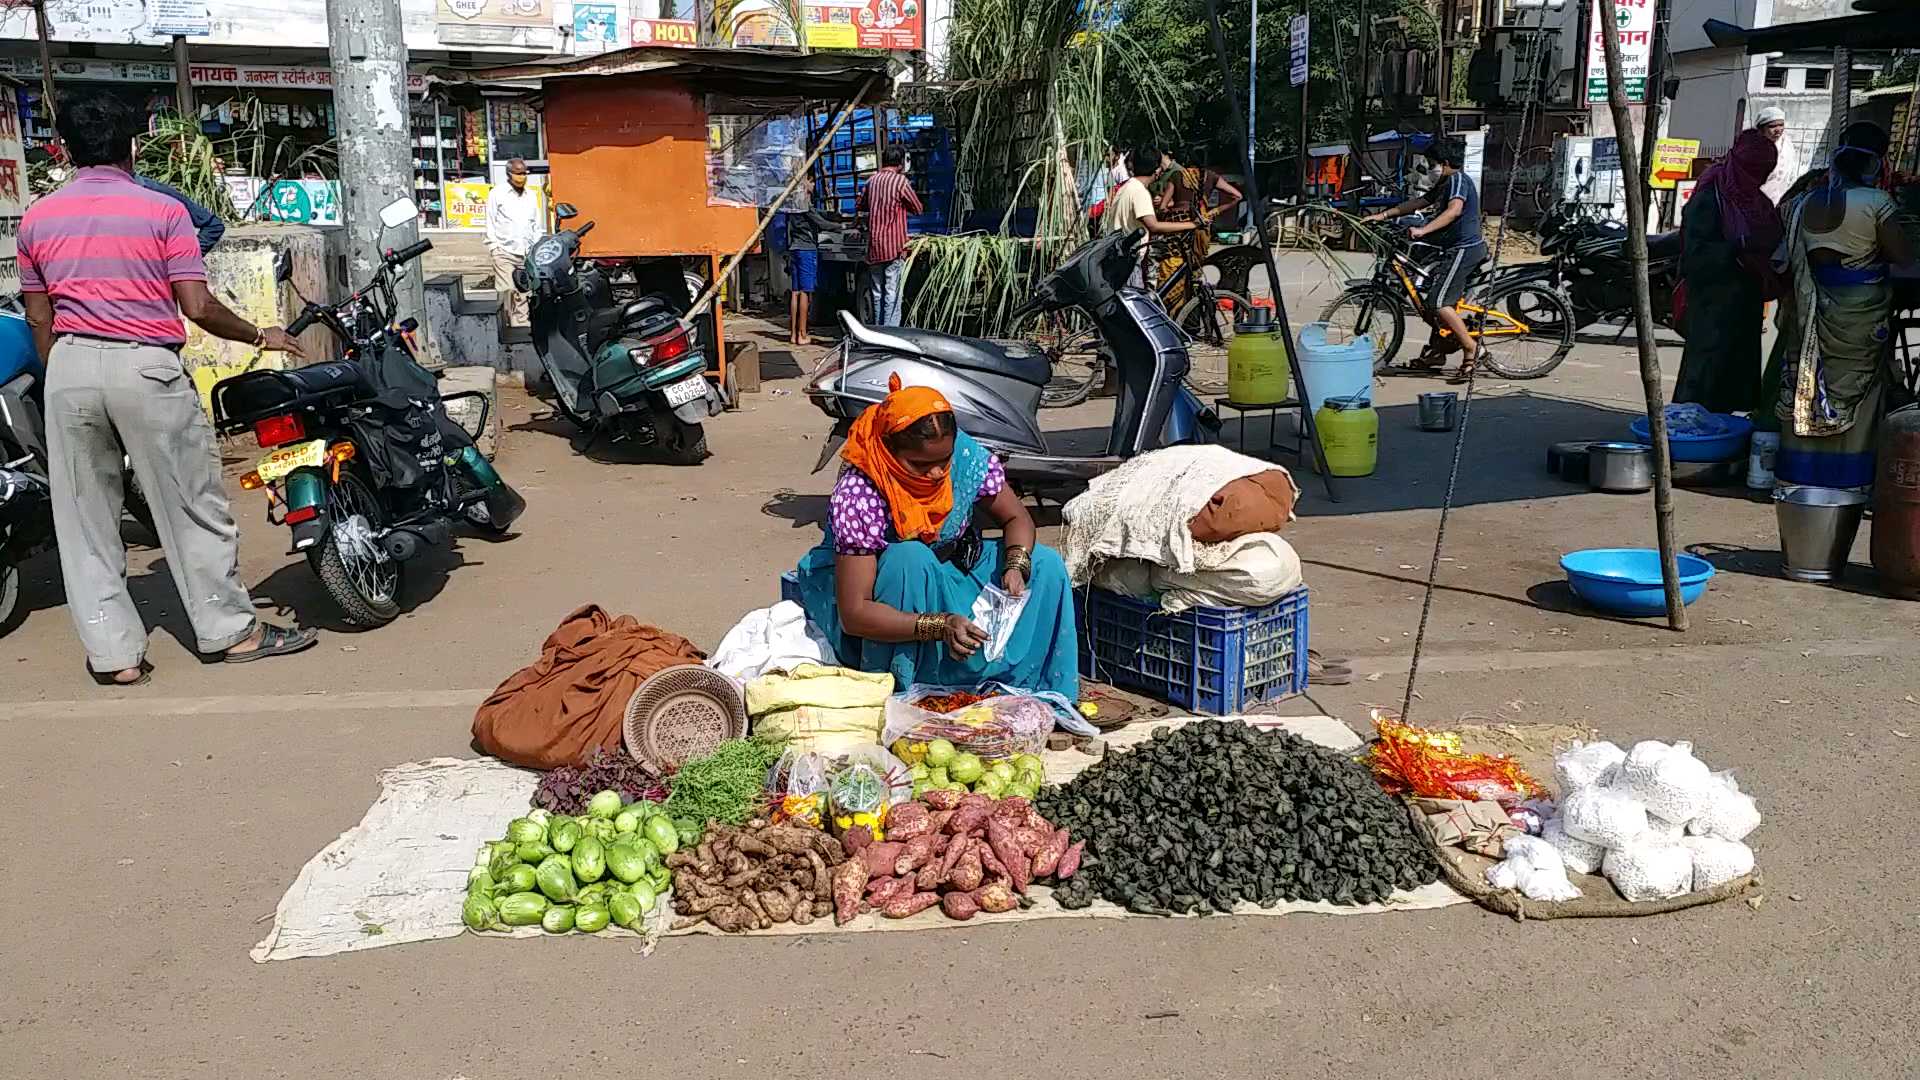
x=156, y=829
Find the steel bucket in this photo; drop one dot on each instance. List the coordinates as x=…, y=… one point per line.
x=1817, y=527
x=1437, y=411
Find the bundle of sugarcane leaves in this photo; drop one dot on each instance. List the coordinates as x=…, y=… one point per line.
x=1202, y=816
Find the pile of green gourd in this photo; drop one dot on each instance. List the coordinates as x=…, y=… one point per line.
x=586, y=873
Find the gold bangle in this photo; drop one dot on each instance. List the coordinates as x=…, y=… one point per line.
x=1018, y=559
x=930, y=627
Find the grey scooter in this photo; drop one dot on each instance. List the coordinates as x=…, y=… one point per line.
x=994, y=387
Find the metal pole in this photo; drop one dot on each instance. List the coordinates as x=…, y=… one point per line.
x=182, y=82
x=46, y=58
x=1253, y=70
x=1255, y=199
x=1631, y=165
x=369, y=56
x=1306, y=169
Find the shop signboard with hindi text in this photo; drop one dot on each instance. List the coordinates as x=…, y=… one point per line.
x=13, y=192
x=179, y=18
x=466, y=203
x=1672, y=161
x=1633, y=27
x=243, y=76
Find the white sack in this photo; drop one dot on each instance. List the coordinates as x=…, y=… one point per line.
x=1668, y=780
x=1650, y=870
x=1728, y=813
x=1606, y=816
x=1250, y=571
x=1580, y=856
x=1717, y=861
x=1587, y=765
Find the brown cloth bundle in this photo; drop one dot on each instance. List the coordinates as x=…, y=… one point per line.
x=555, y=711
x=1261, y=503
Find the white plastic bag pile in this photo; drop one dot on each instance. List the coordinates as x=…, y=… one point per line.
x=1655, y=820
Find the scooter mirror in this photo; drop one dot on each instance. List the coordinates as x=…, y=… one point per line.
x=398, y=212
x=565, y=210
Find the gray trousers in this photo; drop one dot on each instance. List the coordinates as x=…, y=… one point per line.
x=101, y=396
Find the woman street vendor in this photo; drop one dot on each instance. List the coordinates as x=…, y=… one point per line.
x=903, y=560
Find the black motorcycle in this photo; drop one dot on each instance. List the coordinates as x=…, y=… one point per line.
x=363, y=463
x=629, y=369
x=1587, y=263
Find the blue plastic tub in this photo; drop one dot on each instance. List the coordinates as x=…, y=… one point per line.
x=1208, y=660
x=1726, y=446
x=1627, y=580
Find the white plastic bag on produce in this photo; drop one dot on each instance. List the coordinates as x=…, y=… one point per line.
x=1729, y=813
x=1580, y=856
x=996, y=613
x=1603, y=815
x=1005, y=723
x=1668, y=780
x=1717, y=861
x=866, y=781
x=1650, y=869
x=1534, y=867
x=1586, y=765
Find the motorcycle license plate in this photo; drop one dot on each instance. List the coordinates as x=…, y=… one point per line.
x=689, y=389
x=278, y=464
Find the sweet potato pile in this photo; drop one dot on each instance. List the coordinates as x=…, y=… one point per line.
x=749, y=877
x=965, y=853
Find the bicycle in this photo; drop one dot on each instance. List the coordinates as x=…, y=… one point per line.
x=1073, y=346
x=1531, y=315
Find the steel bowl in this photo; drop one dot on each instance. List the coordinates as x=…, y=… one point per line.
x=1620, y=467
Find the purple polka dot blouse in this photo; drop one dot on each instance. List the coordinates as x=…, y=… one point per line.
x=862, y=522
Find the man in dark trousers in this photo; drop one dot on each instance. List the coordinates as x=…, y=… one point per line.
x=107, y=267
x=885, y=202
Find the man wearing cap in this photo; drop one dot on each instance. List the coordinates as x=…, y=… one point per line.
x=1772, y=122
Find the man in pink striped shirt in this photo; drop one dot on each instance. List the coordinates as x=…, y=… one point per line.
x=106, y=269
x=887, y=200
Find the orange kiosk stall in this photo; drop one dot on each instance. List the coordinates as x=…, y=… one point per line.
x=627, y=144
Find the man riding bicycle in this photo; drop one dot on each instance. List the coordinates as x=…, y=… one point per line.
x=1456, y=231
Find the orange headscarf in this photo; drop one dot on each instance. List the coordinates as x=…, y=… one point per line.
x=919, y=504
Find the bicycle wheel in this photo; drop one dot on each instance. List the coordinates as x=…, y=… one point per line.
x=1533, y=186
x=1375, y=312
x=1073, y=347
x=1515, y=348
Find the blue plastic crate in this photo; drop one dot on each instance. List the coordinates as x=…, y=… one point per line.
x=1214, y=661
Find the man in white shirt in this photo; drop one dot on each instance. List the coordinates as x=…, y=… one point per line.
x=513, y=224
x=1131, y=206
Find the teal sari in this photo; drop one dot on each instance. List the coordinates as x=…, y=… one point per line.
x=1043, y=652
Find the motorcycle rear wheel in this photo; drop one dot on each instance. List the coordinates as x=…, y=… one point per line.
x=367, y=590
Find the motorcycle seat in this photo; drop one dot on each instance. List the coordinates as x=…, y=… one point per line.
x=252, y=395
x=1663, y=245
x=1013, y=359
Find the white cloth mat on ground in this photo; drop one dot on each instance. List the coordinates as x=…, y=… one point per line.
x=401, y=874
